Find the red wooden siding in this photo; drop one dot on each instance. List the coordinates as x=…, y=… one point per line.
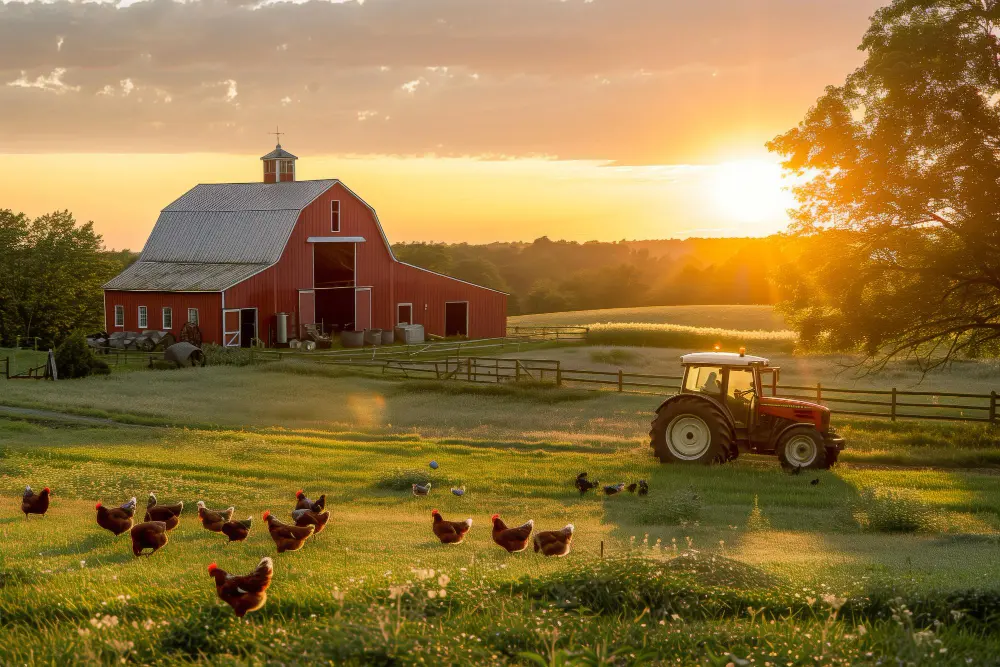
x=428, y=293
x=209, y=305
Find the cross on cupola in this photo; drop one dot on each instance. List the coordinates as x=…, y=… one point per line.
x=279, y=164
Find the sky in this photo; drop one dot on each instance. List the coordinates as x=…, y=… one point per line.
x=457, y=120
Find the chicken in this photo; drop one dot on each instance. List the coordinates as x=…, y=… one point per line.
x=631, y=487
x=116, y=519
x=286, y=537
x=213, y=520
x=246, y=593
x=307, y=517
x=584, y=484
x=460, y=491
x=449, y=532
x=168, y=514
x=423, y=490
x=554, y=542
x=303, y=503
x=237, y=531
x=643, y=488
x=511, y=539
x=35, y=503
x=148, y=535
x=612, y=490
x=815, y=482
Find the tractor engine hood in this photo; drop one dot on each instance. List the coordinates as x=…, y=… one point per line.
x=778, y=402
x=797, y=410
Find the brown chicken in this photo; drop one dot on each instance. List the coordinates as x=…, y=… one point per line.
x=168, y=514
x=35, y=503
x=116, y=519
x=511, y=539
x=307, y=517
x=449, y=532
x=237, y=531
x=554, y=542
x=148, y=535
x=303, y=503
x=286, y=537
x=214, y=519
x=246, y=593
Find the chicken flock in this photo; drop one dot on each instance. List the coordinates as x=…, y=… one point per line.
x=248, y=593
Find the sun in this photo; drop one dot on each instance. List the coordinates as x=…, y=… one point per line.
x=749, y=191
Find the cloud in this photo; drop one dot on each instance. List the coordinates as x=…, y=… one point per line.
x=52, y=82
x=625, y=80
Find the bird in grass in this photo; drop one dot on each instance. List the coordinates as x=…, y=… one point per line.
x=460, y=491
x=246, y=593
x=796, y=470
x=554, y=542
x=612, y=490
x=421, y=490
x=237, y=531
x=631, y=487
x=449, y=532
x=116, y=519
x=213, y=520
x=35, y=503
x=643, y=488
x=815, y=482
x=148, y=535
x=583, y=484
x=304, y=503
x=168, y=514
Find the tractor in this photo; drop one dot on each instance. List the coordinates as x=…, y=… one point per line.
x=722, y=410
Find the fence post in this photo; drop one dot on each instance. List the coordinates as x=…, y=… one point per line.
x=892, y=410
x=517, y=370
x=819, y=392
x=558, y=373
x=993, y=407
x=468, y=369
x=621, y=382
x=774, y=384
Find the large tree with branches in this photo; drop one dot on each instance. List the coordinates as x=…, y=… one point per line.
x=898, y=224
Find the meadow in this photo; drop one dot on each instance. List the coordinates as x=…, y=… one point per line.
x=762, y=318
x=716, y=566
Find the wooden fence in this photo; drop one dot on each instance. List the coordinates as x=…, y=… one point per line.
x=548, y=333
x=876, y=403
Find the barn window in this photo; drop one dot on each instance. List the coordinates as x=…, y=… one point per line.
x=335, y=215
x=287, y=166
x=268, y=166
x=119, y=316
x=143, y=318
x=193, y=316
x=168, y=318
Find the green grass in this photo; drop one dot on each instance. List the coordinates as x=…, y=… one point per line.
x=720, y=317
x=641, y=334
x=682, y=568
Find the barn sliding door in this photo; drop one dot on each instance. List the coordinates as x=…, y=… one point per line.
x=362, y=308
x=231, y=327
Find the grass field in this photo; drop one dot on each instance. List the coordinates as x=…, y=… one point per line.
x=691, y=575
x=720, y=317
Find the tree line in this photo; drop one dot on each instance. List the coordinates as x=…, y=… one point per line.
x=51, y=272
x=549, y=276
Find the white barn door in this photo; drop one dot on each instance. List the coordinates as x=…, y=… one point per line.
x=231, y=327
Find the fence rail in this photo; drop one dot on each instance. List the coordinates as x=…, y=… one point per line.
x=938, y=405
x=548, y=333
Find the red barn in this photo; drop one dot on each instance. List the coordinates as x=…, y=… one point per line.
x=231, y=256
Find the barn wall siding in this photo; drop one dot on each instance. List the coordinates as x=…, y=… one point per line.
x=209, y=305
x=428, y=293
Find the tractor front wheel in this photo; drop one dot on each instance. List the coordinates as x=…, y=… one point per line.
x=802, y=447
x=692, y=430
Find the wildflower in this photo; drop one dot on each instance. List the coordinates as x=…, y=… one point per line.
x=862, y=631
x=443, y=580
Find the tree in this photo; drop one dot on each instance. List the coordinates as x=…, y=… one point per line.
x=51, y=273
x=898, y=223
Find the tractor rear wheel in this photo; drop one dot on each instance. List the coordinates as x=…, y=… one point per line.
x=802, y=447
x=692, y=430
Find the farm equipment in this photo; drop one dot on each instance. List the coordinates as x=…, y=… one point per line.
x=721, y=411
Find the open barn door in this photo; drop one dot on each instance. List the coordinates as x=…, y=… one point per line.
x=231, y=327
x=362, y=308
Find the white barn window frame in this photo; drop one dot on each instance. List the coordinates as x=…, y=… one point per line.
x=193, y=316
x=335, y=215
x=167, y=314
x=120, y=316
x=143, y=318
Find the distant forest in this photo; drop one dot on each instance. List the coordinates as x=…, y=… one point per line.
x=548, y=276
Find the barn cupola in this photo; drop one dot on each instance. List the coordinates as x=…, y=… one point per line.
x=279, y=166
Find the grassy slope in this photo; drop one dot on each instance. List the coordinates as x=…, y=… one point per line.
x=339, y=440
x=721, y=317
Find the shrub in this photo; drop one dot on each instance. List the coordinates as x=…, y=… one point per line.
x=75, y=360
x=756, y=521
x=887, y=510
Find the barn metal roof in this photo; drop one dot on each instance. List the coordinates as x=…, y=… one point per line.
x=279, y=153
x=217, y=235
x=182, y=277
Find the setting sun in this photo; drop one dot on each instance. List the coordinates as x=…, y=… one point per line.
x=750, y=191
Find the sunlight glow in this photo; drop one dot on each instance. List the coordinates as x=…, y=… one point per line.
x=750, y=191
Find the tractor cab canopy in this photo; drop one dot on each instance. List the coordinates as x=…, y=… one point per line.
x=722, y=359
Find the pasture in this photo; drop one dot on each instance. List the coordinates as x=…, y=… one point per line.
x=761, y=318
x=690, y=575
